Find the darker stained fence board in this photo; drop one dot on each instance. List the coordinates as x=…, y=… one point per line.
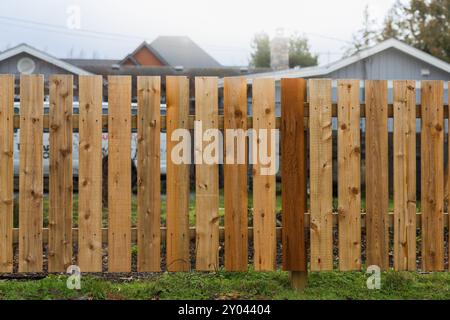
x=293, y=189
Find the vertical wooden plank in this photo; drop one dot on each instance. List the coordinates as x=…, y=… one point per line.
x=432, y=173
x=90, y=174
x=235, y=175
x=264, y=184
x=377, y=247
x=404, y=175
x=177, y=176
x=207, y=175
x=293, y=189
x=349, y=175
x=119, y=174
x=31, y=174
x=321, y=184
x=6, y=172
x=149, y=174
x=60, y=184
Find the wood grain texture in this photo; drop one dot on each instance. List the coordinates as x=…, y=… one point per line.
x=60, y=184
x=264, y=184
x=31, y=173
x=119, y=174
x=6, y=171
x=149, y=173
x=349, y=175
x=90, y=174
x=432, y=175
x=293, y=175
x=207, y=175
x=321, y=184
x=404, y=175
x=177, y=177
x=377, y=248
x=235, y=175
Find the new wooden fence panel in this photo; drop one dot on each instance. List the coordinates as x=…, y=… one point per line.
x=207, y=175
x=31, y=174
x=149, y=173
x=404, y=175
x=432, y=174
x=349, y=175
x=60, y=184
x=376, y=165
x=321, y=184
x=6, y=172
x=293, y=189
x=90, y=174
x=264, y=184
x=235, y=175
x=177, y=220
x=119, y=174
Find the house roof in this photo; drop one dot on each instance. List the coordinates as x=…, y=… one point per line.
x=85, y=63
x=327, y=69
x=182, y=51
x=24, y=48
x=146, y=45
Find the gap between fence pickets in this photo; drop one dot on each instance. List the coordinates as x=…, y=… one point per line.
x=222, y=230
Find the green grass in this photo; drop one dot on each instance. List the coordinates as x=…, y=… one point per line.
x=223, y=285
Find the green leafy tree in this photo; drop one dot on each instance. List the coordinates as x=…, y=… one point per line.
x=423, y=24
x=260, y=57
x=299, y=52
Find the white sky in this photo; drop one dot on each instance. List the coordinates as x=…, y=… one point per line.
x=224, y=28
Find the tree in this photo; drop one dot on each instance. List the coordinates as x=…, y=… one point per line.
x=299, y=52
x=423, y=24
x=364, y=37
x=260, y=57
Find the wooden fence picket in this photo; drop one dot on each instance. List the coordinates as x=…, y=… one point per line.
x=149, y=171
x=6, y=172
x=404, y=175
x=235, y=176
x=177, y=176
x=377, y=194
x=119, y=174
x=90, y=174
x=31, y=173
x=264, y=183
x=207, y=175
x=293, y=175
x=432, y=174
x=349, y=175
x=60, y=179
x=321, y=180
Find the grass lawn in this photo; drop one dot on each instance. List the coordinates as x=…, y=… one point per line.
x=223, y=285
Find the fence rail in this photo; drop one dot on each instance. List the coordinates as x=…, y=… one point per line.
x=308, y=239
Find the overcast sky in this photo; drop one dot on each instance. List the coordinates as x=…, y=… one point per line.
x=113, y=28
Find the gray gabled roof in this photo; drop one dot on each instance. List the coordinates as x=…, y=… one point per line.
x=182, y=51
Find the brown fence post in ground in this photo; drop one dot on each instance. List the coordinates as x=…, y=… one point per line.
x=432, y=173
x=6, y=172
x=377, y=195
x=177, y=179
x=293, y=179
x=404, y=175
x=235, y=176
x=90, y=174
x=349, y=175
x=119, y=174
x=61, y=185
x=31, y=173
x=149, y=172
x=321, y=179
x=264, y=184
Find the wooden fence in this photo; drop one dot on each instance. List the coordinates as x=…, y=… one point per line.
x=300, y=121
